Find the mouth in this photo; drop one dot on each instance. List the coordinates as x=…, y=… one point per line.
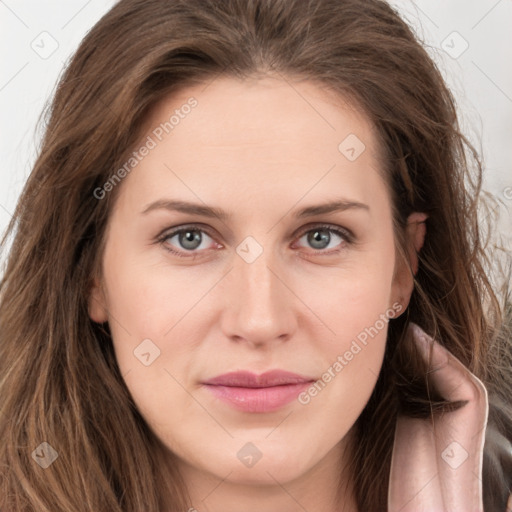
x=249, y=392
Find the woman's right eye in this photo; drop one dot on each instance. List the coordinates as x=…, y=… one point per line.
x=189, y=239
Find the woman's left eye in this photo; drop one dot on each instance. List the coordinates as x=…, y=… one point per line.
x=191, y=239
x=320, y=237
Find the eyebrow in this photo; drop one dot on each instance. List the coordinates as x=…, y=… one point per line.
x=212, y=212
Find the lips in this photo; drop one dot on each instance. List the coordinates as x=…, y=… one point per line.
x=249, y=392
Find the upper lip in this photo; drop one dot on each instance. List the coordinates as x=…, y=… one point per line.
x=245, y=379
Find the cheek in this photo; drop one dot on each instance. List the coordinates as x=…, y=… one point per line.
x=148, y=301
x=351, y=298
x=356, y=307
x=353, y=362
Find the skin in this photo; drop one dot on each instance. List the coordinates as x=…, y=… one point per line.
x=261, y=149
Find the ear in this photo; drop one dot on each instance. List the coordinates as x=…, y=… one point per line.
x=97, y=303
x=403, y=280
x=415, y=233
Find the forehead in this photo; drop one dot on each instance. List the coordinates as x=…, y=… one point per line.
x=261, y=109
x=255, y=136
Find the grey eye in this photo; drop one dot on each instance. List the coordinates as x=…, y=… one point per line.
x=188, y=239
x=319, y=238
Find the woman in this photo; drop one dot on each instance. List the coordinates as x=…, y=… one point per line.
x=176, y=336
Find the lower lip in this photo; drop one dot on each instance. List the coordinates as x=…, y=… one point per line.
x=258, y=399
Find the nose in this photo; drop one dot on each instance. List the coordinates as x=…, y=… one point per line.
x=259, y=305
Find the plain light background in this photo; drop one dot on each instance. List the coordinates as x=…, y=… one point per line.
x=470, y=40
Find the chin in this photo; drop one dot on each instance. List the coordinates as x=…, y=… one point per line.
x=273, y=464
x=263, y=473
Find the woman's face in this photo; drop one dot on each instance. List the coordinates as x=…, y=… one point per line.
x=280, y=282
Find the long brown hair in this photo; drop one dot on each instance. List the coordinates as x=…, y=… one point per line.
x=59, y=381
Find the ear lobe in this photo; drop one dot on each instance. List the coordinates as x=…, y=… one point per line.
x=415, y=232
x=97, y=306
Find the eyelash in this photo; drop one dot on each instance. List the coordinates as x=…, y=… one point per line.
x=341, y=232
